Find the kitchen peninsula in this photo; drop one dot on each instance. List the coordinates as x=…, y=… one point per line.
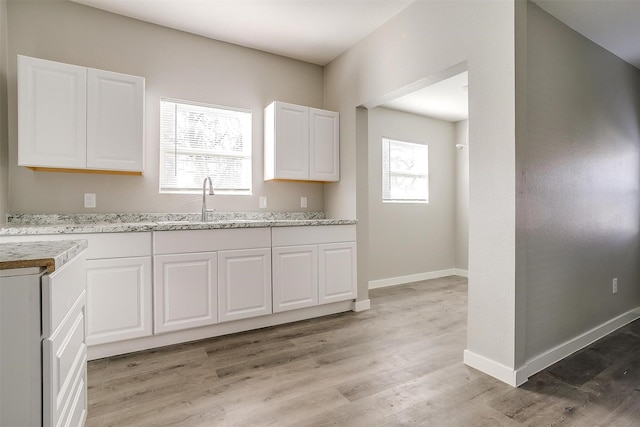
x=43, y=351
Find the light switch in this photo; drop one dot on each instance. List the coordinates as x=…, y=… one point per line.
x=263, y=202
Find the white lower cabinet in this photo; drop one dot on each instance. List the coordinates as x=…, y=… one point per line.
x=244, y=283
x=64, y=350
x=185, y=288
x=337, y=272
x=202, y=277
x=119, y=298
x=295, y=277
x=313, y=265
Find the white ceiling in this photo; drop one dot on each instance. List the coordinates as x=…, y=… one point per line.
x=315, y=31
x=318, y=31
x=445, y=100
x=613, y=24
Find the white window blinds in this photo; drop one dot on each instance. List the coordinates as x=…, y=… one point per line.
x=405, y=171
x=197, y=141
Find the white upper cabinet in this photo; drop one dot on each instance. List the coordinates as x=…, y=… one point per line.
x=72, y=117
x=324, y=145
x=52, y=111
x=115, y=131
x=301, y=143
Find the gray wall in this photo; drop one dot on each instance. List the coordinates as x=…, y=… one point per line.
x=175, y=64
x=412, y=238
x=462, y=197
x=4, y=135
x=419, y=43
x=578, y=168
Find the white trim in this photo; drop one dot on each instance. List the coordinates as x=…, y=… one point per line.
x=461, y=272
x=493, y=368
x=558, y=353
x=519, y=376
x=401, y=280
x=361, y=305
x=137, y=344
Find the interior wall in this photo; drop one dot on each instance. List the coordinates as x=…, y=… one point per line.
x=412, y=238
x=4, y=134
x=579, y=174
x=175, y=64
x=462, y=196
x=421, y=41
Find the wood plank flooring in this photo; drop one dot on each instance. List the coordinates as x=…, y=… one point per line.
x=398, y=364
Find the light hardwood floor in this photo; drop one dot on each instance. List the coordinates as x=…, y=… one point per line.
x=399, y=363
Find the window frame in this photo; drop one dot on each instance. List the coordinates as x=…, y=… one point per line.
x=386, y=171
x=247, y=153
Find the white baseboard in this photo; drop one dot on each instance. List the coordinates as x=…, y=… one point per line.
x=517, y=377
x=401, y=280
x=493, y=368
x=361, y=305
x=137, y=344
x=558, y=353
x=461, y=272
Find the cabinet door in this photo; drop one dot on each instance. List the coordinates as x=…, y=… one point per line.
x=337, y=272
x=295, y=277
x=64, y=369
x=115, y=121
x=324, y=145
x=185, y=294
x=118, y=299
x=244, y=283
x=291, y=141
x=51, y=114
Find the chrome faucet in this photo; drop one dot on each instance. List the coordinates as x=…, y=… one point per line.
x=205, y=211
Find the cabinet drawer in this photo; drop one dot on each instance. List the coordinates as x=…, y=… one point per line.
x=100, y=245
x=117, y=245
x=64, y=359
x=188, y=241
x=60, y=290
x=309, y=235
x=75, y=413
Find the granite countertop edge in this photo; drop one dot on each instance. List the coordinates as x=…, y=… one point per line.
x=49, y=255
x=166, y=225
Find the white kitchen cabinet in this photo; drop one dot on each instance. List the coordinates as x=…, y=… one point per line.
x=324, y=145
x=119, y=299
x=79, y=118
x=299, y=252
x=185, y=291
x=295, y=277
x=64, y=350
x=43, y=372
x=52, y=111
x=234, y=284
x=244, y=283
x=20, y=347
x=115, y=121
x=301, y=143
x=119, y=284
x=337, y=272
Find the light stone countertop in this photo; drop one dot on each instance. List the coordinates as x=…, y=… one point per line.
x=50, y=255
x=123, y=223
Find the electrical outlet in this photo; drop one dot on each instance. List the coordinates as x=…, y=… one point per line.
x=89, y=200
x=303, y=202
x=263, y=202
x=614, y=286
